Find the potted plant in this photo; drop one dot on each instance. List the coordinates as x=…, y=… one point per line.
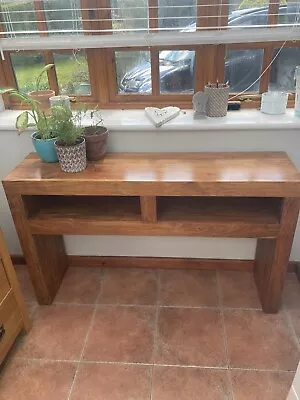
x=43, y=138
x=42, y=96
x=96, y=135
x=70, y=144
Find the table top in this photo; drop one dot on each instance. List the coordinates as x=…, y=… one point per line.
x=259, y=174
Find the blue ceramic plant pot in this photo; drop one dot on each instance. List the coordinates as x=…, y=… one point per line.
x=45, y=148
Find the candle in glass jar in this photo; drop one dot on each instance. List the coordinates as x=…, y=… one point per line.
x=60, y=101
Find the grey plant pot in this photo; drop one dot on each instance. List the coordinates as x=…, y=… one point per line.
x=72, y=158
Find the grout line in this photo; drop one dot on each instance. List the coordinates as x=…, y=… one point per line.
x=82, y=352
x=155, y=331
x=103, y=279
x=125, y=305
x=158, y=365
x=262, y=369
x=224, y=334
x=84, y=345
x=46, y=360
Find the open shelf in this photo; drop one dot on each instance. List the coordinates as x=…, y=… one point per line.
x=248, y=209
x=218, y=216
x=75, y=214
x=176, y=216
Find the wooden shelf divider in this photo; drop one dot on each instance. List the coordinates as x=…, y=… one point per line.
x=148, y=208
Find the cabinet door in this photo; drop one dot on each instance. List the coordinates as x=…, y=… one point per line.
x=10, y=324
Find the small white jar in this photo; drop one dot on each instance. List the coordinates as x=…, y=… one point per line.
x=274, y=102
x=60, y=101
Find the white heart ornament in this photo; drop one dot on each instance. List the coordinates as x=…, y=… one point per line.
x=159, y=116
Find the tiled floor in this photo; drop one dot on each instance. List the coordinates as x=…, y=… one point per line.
x=127, y=334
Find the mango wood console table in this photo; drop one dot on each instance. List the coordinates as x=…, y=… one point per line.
x=250, y=195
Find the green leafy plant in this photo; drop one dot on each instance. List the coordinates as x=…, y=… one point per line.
x=40, y=76
x=93, y=117
x=64, y=126
x=34, y=118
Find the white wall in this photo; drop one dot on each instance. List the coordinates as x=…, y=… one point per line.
x=14, y=148
x=294, y=393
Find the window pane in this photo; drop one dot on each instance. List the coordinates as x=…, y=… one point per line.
x=176, y=71
x=63, y=15
x=248, y=12
x=283, y=69
x=288, y=12
x=133, y=71
x=129, y=14
x=242, y=68
x=72, y=73
x=27, y=67
x=177, y=15
x=18, y=16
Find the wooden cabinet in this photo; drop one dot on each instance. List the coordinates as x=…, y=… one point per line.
x=13, y=312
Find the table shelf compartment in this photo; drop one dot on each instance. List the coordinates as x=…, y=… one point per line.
x=56, y=212
x=245, y=217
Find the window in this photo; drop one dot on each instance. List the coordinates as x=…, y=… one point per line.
x=137, y=53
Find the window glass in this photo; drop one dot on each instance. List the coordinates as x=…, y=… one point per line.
x=72, y=73
x=27, y=67
x=288, y=12
x=176, y=71
x=133, y=72
x=248, y=12
x=175, y=15
x=283, y=69
x=242, y=68
x=129, y=15
x=63, y=15
x=18, y=16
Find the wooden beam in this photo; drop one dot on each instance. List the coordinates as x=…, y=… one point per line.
x=45, y=256
x=160, y=262
x=272, y=258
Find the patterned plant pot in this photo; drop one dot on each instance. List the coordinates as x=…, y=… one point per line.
x=217, y=101
x=72, y=158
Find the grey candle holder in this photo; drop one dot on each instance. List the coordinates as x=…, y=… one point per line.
x=217, y=100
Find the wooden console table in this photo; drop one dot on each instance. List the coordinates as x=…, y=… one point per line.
x=250, y=195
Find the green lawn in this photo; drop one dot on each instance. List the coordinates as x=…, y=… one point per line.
x=69, y=71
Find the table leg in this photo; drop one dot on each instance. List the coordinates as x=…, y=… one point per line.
x=272, y=257
x=45, y=254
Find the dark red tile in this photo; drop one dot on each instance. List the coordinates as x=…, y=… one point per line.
x=80, y=285
x=254, y=385
x=58, y=332
x=188, y=288
x=238, y=290
x=112, y=382
x=129, y=286
x=121, y=334
x=259, y=340
x=171, y=383
x=36, y=380
x=190, y=336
